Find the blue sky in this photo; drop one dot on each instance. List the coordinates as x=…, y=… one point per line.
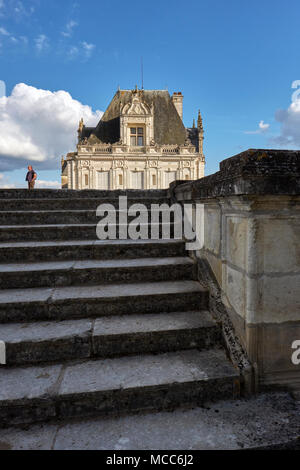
x=235, y=60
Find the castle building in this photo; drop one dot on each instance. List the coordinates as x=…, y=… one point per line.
x=139, y=143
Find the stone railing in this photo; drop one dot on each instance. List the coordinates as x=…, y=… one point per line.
x=106, y=149
x=170, y=149
x=252, y=247
x=122, y=148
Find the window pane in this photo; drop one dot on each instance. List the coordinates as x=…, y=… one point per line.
x=132, y=141
x=140, y=131
x=133, y=130
x=140, y=141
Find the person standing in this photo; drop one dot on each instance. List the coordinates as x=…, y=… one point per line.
x=31, y=177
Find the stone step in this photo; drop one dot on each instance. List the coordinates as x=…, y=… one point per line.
x=53, y=217
x=92, y=272
x=64, y=303
x=9, y=233
x=89, y=249
x=108, y=337
x=82, y=194
x=43, y=204
x=266, y=421
x=114, y=386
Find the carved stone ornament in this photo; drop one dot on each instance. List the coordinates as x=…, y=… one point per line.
x=136, y=108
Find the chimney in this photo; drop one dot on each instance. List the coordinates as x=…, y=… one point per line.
x=177, y=99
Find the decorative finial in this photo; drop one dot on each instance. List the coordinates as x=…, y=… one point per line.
x=194, y=125
x=200, y=124
x=81, y=125
x=80, y=129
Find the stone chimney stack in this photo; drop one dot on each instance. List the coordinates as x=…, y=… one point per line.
x=177, y=99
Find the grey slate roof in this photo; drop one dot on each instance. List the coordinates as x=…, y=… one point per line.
x=168, y=127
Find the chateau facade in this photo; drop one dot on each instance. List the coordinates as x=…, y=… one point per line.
x=139, y=143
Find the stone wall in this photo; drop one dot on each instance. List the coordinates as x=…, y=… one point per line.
x=252, y=244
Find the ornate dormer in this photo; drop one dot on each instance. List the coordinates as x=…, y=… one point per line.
x=136, y=121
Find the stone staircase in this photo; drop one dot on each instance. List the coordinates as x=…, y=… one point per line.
x=97, y=328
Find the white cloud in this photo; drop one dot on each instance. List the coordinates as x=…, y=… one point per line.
x=290, y=125
x=262, y=128
x=83, y=50
x=4, y=32
x=88, y=48
x=13, y=39
x=48, y=184
x=73, y=52
x=41, y=42
x=16, y=9
x=4, y=183
x=22, y=11
x=69, y=28
x=39, y=126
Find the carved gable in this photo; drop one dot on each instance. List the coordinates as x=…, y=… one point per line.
x=136, y=108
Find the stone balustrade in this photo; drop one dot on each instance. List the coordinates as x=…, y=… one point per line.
x=252, y=246
x=120, y=148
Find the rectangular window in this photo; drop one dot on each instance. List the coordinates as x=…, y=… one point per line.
x=120, y=180
x=153, y=180
x=103, y=180
x=137, y=137
x=170, y=176
x=137, y=180
x=86, y=180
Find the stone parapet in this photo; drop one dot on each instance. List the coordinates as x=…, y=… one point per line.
x=253, y=172
x=252, y=244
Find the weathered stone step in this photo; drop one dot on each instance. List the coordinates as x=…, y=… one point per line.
x=89, y=249
x=113, y=386
x=81, y=194
x=267, y=421
x=43, y=204
x=108, y=337
x=52, y=217
x=92, y=272
x=63, y=303
x=61, y=232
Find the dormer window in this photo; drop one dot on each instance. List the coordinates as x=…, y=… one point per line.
x=137, y=136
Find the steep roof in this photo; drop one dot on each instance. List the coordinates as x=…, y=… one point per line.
x=168, y=127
